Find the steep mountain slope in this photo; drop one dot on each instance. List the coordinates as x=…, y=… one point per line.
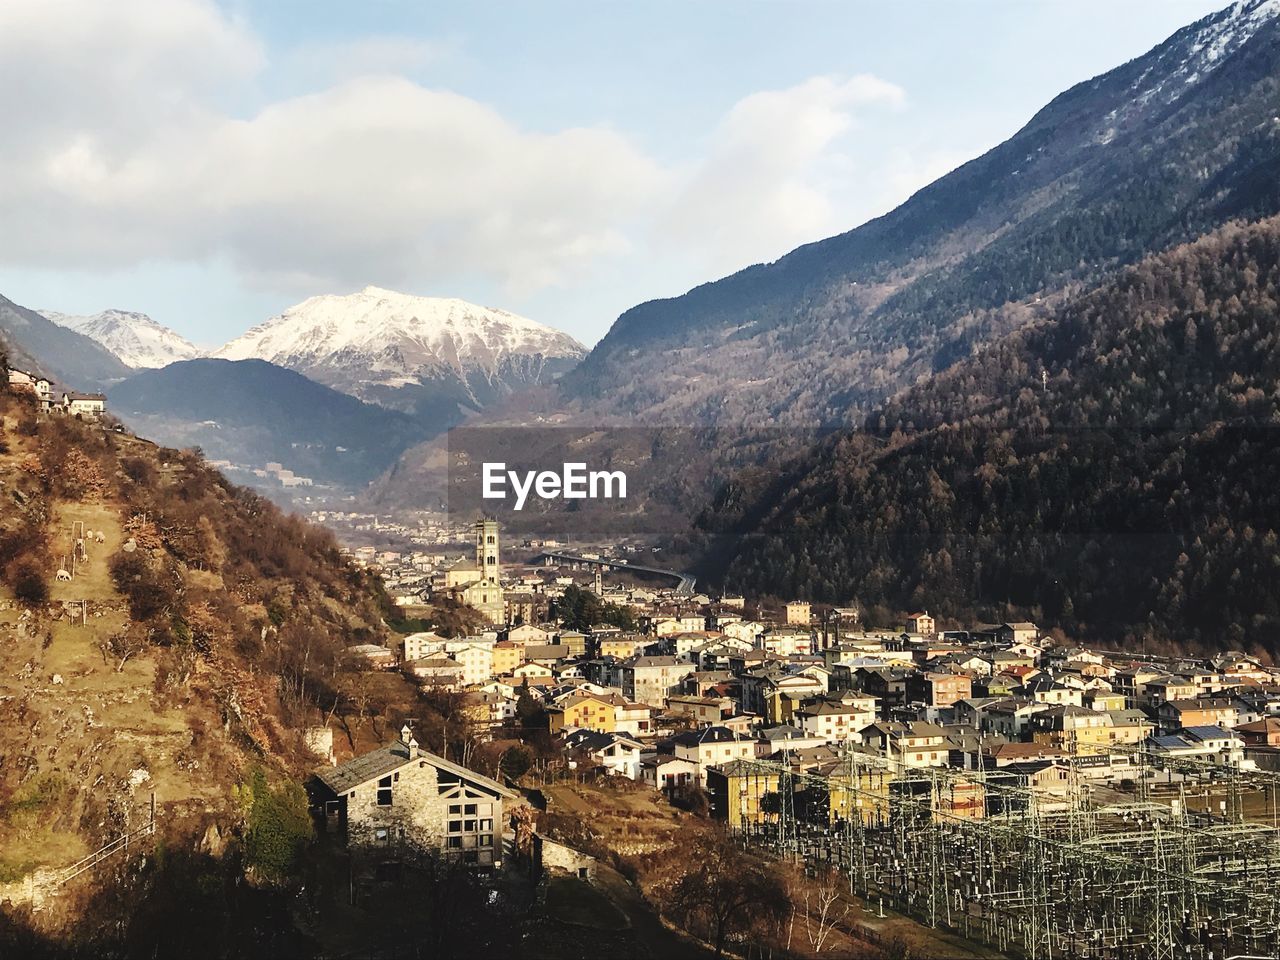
x=1153, y=153
x=432, y=357
x=253, y=412
x=209, y=638
x=134, y=338
x=71, y=358
x=1113, y=467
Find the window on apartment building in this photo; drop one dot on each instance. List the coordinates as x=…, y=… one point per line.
x=384, y=792
x=454, y=843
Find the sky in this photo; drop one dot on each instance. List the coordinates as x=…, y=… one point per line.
x=211, y=163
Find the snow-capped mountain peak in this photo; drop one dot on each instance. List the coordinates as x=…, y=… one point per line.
x=135, y=338
x=377, y=341
x=1197, y=50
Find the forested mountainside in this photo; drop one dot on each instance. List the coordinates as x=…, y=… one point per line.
x=1154, y=153
x=1112, y=468
x=1157, y=152
x=253, y=412
x=207, y=644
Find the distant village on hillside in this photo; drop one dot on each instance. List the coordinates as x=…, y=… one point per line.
x=51, y=398
x=694, y=684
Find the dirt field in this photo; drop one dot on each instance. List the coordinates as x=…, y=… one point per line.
x=84, y=729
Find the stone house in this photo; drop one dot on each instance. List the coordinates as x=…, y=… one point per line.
x=551, y=858
x=403, y=798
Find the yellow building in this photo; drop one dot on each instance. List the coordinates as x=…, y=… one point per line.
x=506, y=657
x=738, y=790
x=859, y=792
x=620, y=647
x=584, y=711
x=798, y=612
x=1088, y=740
x=963, y=799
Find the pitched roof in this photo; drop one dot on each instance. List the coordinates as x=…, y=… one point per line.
x=378, y=763
x=1208, y=703
x=662, y=759
x=1004, y=751
x=1265, y=725
x=1207, y=733
x=736, y=768
x=1171, y=742
x=715, y=734
x=655, y=661
x=784, y=732
x=594, y=741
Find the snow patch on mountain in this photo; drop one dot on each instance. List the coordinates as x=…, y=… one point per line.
x=134, y=338
x=382, y=339
x=1203, y=45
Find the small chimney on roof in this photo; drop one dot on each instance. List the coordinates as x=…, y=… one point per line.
x=406, y=737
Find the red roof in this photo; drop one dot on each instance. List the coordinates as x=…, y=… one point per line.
x=1019, y=670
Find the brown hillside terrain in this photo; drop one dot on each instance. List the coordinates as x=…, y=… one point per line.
x=195, y=637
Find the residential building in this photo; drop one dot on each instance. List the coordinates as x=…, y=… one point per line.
x=612, y=753
x=836, y=718
x=652, y=679
x=667, y=772
x=88, y=405
x=403, y=798
x=711, y=747
x=922, y=624
x=916, y=743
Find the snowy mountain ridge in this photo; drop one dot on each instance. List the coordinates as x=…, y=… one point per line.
x=373, y=343
x=136, y=339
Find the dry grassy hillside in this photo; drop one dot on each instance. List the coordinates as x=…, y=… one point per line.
x=162, y=633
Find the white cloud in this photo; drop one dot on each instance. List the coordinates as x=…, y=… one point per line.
x=128, y=140
x=322, y=62
x=761, y=190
